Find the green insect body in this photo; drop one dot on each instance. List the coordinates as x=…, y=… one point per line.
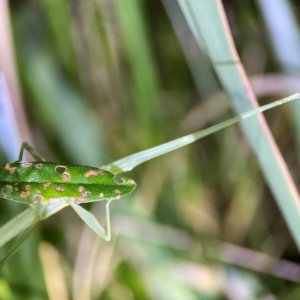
x=47, y=183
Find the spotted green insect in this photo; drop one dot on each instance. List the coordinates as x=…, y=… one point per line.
x=45, y=183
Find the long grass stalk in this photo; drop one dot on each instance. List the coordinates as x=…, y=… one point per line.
x=215, y=40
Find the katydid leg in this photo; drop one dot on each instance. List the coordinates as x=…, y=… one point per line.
x=108, y=232
x=26, y=146
x=92, y=222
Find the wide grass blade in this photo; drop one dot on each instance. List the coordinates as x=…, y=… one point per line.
x=17, y=244
x=24, y=220
x=208, y=22
x=16, y=225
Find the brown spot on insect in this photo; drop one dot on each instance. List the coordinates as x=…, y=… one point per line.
x=79, y=200
x=81, y=189
x=46, y=185
x=10, y=169
x=59, y=189
x=37, y=199
x=60, y=169
x=101, y=195
x=66, y=176
x=118, y=193
x=93, y=173
x=24, y=194
x=39, y=165
x=7, y=189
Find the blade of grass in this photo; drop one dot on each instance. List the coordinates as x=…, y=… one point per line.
x=216, y=42
x=143, y=78
x=17, y=244
x=16, y=225
x=60, y=101
x=24, y=220
x=204, y=77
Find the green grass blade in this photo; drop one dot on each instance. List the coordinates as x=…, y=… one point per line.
x=25, y=219
x=129, y=162
x=62, y=102
x=203, y=75
x=16, y=225
x=216, y=42
x=17, y=244
x=143, y=78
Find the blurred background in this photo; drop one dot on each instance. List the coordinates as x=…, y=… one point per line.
x=93, y=81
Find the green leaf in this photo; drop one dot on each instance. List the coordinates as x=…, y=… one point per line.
x=23, y=220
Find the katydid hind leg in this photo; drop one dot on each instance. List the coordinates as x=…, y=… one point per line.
x=108, y=232
x=35, y=154
x=92, y=222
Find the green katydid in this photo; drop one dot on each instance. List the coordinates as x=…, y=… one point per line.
x=44, y=183
x=47, y=183
x=49, y=187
